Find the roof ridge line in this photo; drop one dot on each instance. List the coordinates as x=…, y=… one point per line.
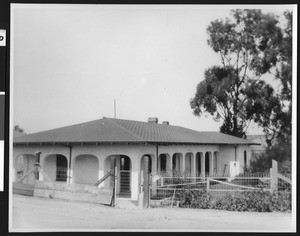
x=82, y=123
x=111, y=120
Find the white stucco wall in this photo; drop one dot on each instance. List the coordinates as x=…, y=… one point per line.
x=89, y=170
x=49, y=166
x=86, y=169
x=227, y=154
x=240, y=150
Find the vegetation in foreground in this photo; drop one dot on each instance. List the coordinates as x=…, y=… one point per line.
x=255, y=201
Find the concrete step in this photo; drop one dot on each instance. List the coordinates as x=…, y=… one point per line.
x=125, y=203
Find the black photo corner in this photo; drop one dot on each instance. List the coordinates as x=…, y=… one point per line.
x=4, y=111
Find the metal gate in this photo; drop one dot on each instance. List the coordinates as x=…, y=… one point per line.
x=124, y=183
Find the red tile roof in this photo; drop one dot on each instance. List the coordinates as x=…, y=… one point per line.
x=108, y=130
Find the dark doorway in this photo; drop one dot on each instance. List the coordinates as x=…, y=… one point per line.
x=61, y=168
x=207, y=163
x=163, y=162
x=125, y=176
x=176, y=163
x=198, y=163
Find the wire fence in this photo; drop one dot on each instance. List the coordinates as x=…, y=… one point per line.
x=166, y=189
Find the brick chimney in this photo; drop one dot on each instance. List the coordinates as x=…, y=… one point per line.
x=165, y=123
x=153, y=120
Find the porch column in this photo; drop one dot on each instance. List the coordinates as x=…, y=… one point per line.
x=101, y=170
x=169, y=163
x=70, y=166
x=182, y=163
x=202, y=157
x=154, y=165
x=118, y=165
x=211, y=167
x=158, y=161
x=135, y=178
x=193, y=165
x=41, y=161
x=71, y=171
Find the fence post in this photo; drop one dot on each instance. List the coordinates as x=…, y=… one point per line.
x=141, y=192
x=273, y=175
x=115, y=186
x=207, y=186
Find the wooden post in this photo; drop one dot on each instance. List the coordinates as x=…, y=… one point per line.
x=146, y=183
x=149, y=190
x=274, y=177
x=115, y=186
x=141, y=192
x=37, y=160
x=207, y=186
x=36, y=171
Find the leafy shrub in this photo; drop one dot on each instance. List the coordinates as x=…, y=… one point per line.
x=260, y=201
x=282, y=201
x=279, y=151
x=194, y=199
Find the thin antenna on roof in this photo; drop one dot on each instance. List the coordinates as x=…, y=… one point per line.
x=115, y=108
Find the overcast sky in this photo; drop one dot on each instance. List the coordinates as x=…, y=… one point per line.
x=69, y=63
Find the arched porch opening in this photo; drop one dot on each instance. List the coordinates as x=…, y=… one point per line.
x=176, y=163
x=163, y=165
x=125, y=176
x=216, y=163
x=86, y=169
x=56, y=167
x=199, y=157
x=25, y=163
x=124, y=166
x=188, y=164
x=144, y=160
x=207, y=163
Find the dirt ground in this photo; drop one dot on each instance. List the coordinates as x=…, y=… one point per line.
x=39, y=214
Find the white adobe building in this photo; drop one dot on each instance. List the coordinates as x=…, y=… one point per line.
x=84, y=153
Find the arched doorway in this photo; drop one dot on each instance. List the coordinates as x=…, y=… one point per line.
x=188, y=164
x=216, y=163
x=162, y=163
x=176, y=163
x=61, y=168
x=125, y=176
x=25, y=163
x=199, y=163
x=207, y=163
x=56, y=167
x=123, y=164
x=86, y=169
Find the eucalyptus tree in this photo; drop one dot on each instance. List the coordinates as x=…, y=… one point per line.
x=250, y=45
